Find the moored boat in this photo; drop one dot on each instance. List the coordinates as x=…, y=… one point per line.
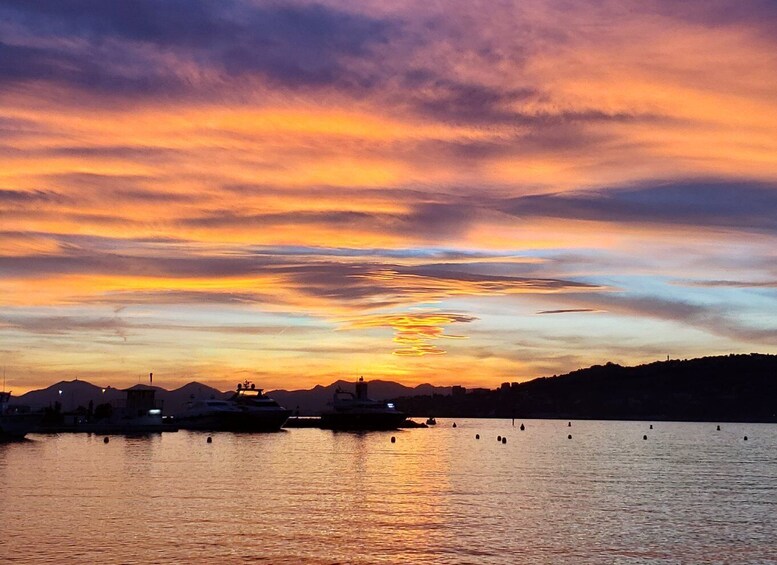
x=356, y=411
x=247, y=410
x=15, y=421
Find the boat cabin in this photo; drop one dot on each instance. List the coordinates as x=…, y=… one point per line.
x=140, y=401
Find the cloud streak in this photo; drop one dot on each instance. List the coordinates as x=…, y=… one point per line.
x=737, y=205
x=169, y=271
x=571, y=311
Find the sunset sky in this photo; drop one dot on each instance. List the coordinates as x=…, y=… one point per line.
x=447, y=192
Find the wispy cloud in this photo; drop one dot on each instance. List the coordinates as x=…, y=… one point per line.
x=319, y=279
x=161, y=48
x=571, y=311
x=729, y=284
x=716, y=319
x=415, y=331
x=741, y=205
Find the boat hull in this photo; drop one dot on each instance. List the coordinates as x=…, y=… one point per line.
x=16, y=426
x=235, y=422
x=359, y=421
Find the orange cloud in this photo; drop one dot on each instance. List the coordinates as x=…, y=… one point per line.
x=414, y=331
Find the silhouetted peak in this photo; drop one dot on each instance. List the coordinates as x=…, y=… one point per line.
x=192, y=385
x=141, y=386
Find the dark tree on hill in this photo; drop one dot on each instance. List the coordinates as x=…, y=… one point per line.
x=726, y=388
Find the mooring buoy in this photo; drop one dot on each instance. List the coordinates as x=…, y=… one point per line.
x=393, y=439
x=209, y=440
x=106, y=440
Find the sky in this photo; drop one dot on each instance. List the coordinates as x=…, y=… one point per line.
x=454, y=192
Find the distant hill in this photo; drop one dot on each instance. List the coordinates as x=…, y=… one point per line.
x=175, y=401
x=72, y=394
x=725, y=388
x=313, y=401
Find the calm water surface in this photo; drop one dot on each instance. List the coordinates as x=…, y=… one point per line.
x=687, y=494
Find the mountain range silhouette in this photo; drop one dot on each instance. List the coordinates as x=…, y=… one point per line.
x=720, y=388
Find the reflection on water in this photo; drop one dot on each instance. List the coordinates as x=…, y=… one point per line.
x=688, y=493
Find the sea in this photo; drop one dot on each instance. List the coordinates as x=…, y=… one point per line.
x=613, y=492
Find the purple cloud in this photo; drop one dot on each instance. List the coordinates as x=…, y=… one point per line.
x=124, y=48
x=741, y=205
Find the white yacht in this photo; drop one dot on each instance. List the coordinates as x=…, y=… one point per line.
x=247, y=410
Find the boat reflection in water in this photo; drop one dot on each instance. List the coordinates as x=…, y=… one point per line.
x=247, y=410
x=351, y=411
x=15, y=421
